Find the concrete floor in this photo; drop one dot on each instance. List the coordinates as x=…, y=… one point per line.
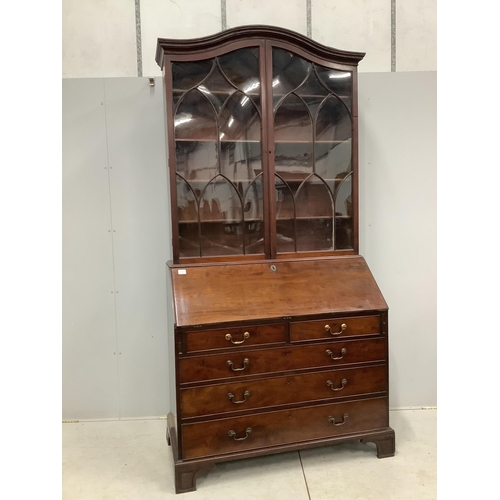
x=130, y=460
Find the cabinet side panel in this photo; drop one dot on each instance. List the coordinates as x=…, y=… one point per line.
x=171, y=357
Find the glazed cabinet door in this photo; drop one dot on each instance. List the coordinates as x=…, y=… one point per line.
x=262, y=153
x=214, y=109
x=313, y=131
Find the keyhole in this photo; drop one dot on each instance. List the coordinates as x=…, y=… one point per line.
x=273, y=268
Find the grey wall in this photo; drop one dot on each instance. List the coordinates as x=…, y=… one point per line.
x=116, y=238
x=115, y=245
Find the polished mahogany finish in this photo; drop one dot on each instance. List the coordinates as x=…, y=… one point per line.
x=329, y=328
x=285, y=390
x=247, y=336
x=282, y=427
x=280, y=359
x=273, y=290
x=280, y=332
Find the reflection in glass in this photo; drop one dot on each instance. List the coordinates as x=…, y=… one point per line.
x=239, y=120
x=338, y=82
x=314, y=212
x=292, y=121
x=216, y=88
x=333, y=121
x=186, y=75
x=289, y=72
x=219, y=155
x=197, y=160
x=195, y=118
x=241, y=68
x=313, y=150
x=285, y=216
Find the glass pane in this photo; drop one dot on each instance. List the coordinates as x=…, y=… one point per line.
x=241, y=68
x=195, y=118
x=339, y=82
x=253, y=212
x=186, y=75
x=314, y=235
x=197, y=160
x=313, y=151
x=332, y=159
x=293, y=133
x=314, y=208
x=333, y=121
x=187, y=212
x=217, y=88
x=292, y=121
x=221, y=218
x=312, y=87
x=241, y=162
x=285, y=216
x=289, y=72
x=219, y=155
x=344, y=227
x=239, y=120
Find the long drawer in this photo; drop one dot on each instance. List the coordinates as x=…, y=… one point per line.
x=329, y=328
x=236, y=337
x=241, y=395
x=281, y=427
x=237, y=364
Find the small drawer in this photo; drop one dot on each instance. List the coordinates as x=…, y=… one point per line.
x=233, y=396
x=281, y=427
x=302, y=331
x=230, y=365
x=246, y=336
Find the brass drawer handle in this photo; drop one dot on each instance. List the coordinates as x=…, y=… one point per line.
x=237, y=342
x=329, y=383
x=343, y=326
x=343, y=351
x=332, y=420
x=232, y=434
x=230, y=396
x=230, y=364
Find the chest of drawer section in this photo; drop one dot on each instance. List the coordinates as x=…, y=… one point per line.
x=261, y=373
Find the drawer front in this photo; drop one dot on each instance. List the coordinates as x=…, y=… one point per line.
x=237, y=364
x=234, y=337
x=222, y=398
x=334, y=328
x=282, y=427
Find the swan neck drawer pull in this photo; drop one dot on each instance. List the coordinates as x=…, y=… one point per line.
x=230, y=396
x=329, y=383
x=232, y=434
x=343, y=352
x=237, y=342
x=332, y=420
x=343, y=326
x=230, y=364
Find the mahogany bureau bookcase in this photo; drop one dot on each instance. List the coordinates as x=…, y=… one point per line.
x=280, y=335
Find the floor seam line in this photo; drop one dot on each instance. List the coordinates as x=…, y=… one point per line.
x=304, y=474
